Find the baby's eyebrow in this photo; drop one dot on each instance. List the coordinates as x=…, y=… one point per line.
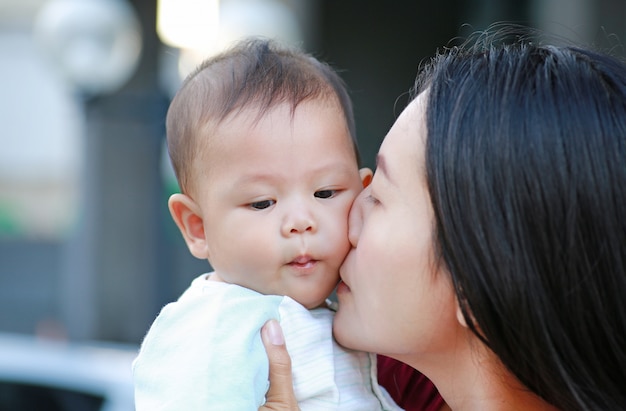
x=255, y=178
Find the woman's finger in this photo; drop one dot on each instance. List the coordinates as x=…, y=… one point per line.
x=281, y=396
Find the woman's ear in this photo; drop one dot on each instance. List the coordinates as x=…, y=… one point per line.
x=459, y=314
x=366, y=176
x=188, y=218
x=464, y=316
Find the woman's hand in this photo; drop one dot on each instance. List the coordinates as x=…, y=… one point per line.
x=280, y=396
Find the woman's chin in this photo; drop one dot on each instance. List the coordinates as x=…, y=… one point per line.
x=338, y=334
x=343, y=326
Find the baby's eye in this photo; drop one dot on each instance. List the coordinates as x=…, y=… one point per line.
x=261, y=205
x=325, y=193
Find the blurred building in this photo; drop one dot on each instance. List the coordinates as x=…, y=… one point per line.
x=87, y=247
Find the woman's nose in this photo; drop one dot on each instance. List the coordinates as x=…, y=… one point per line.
x=298, y=221
x=355, y=219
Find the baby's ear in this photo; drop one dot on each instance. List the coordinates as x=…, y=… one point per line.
x=366, y=176
x=188, y=218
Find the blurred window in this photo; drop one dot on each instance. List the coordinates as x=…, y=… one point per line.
x=41, y=140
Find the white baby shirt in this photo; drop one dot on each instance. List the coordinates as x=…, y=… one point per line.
x=204, y=352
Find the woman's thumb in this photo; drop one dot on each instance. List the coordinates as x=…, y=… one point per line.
x=281, y=396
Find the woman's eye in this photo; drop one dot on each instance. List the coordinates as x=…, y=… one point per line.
x=372, y=200
x=261, y=205
x=325, y=193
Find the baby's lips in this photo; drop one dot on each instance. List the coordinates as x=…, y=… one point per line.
x=302, y=259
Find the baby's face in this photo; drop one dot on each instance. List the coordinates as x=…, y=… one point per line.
x=275, y=197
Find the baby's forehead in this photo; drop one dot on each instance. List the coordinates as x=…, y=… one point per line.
x=254, y=115
x=253, y=127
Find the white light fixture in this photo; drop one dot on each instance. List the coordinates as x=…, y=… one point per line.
x=188, y=24
x=201, y=28
x=94, y=44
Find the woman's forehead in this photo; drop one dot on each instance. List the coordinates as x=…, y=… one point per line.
x=406, y=139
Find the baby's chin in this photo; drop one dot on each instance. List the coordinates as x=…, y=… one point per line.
x=312, y=304
x=311, y=297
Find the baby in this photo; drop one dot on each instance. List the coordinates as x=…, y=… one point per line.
x=262, y=141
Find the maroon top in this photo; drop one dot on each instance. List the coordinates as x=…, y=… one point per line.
x=409, y=388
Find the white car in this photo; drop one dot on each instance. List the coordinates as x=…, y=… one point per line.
x=44, y=375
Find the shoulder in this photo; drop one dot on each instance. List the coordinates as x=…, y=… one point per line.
x=409, y=388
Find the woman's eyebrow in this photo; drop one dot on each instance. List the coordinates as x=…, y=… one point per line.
x=381, y=164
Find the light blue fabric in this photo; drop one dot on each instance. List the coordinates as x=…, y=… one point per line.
x=204, y=352
x=179, y=349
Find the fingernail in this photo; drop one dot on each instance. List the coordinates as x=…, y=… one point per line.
x=274, y=333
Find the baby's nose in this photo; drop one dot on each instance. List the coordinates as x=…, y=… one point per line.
x=299, y=221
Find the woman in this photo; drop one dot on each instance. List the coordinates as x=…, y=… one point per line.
x=489, y=251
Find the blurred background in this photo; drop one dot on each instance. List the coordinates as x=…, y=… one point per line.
x=88, y=250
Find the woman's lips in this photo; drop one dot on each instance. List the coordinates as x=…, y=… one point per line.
x=342, y=288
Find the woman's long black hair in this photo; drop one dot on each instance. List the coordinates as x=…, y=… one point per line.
x=526, y=164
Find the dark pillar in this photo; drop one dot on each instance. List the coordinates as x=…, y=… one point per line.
x=109, y=290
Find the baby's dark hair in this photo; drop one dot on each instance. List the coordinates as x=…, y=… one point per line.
x=257, y=73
